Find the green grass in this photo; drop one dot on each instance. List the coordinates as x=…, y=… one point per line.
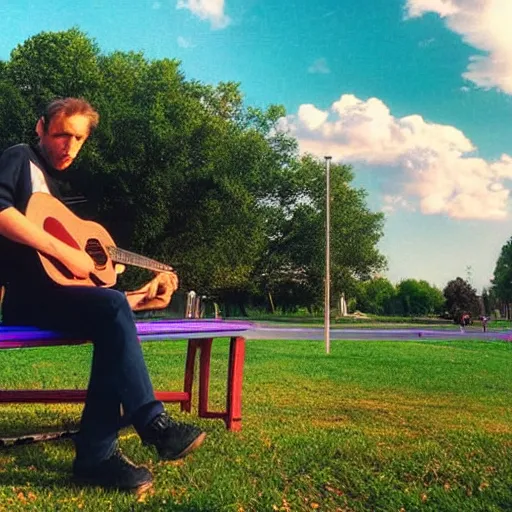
x=384, y=426
x=370, y=321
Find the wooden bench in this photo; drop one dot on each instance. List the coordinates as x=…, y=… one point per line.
x=200, y=335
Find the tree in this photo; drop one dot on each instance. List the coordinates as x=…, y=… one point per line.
x=461, y=297
x=419, y=297
x=189, y=173
x=52, y=64
x=296, y=233
x=502, y=281
x=376, y=296
x=14, y=121
x=489, y=301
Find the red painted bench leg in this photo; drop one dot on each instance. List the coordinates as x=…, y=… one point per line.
x=234, y=387
x=204, y=376
x=189, y=374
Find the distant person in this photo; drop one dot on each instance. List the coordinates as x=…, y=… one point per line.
x=464, y=321
x=485, y=320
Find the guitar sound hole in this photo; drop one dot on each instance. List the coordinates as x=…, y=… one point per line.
x=95, y=250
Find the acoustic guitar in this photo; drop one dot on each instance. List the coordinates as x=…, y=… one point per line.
x=55, y=218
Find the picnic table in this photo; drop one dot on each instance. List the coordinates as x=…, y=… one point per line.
x=200, y=335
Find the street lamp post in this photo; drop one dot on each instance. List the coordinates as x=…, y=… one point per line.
x=327, y=304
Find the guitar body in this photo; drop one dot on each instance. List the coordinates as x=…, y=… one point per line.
x=55, y=218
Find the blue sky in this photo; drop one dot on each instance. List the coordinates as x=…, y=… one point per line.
x=415, y=94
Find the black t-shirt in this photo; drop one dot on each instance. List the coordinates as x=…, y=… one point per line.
x=23, y=171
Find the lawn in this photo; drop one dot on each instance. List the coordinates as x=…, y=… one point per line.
x=384, y=426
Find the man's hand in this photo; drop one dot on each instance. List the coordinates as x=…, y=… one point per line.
x=154, y=295
x=16, y=227
x=78, y=262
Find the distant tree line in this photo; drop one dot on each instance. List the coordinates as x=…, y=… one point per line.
x=412, y=297
x=186, y=173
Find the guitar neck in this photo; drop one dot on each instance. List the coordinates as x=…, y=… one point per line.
x=130, y=258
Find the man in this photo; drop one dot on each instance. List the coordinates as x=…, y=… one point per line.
x=119, y=377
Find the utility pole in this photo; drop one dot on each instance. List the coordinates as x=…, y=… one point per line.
x=327, y=305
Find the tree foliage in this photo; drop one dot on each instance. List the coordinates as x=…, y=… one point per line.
x=52, y=64
x=461, y=297
x=14, y=123
x=502, y=281
x=409, y=297
x=417, y=297
x=295, y=266
x=377, y=296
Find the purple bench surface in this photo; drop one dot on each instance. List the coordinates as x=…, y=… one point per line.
x=24, y=337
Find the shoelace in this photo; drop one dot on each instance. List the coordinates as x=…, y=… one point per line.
x=161, y=422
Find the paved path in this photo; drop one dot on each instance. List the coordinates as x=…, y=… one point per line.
x=266, y=332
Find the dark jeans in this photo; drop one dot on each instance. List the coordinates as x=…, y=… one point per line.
x=119, y=376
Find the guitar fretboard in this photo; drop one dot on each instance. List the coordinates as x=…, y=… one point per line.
x=130, y=258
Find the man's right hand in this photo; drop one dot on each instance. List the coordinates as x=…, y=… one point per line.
x=78, y=262
x=15, y=226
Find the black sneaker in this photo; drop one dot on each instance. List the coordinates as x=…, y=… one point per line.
x=172, y=440
x=116, y=472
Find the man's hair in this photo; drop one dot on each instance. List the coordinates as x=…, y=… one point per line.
x=70, y=107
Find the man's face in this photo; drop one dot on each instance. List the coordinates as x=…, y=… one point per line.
x=63, y=139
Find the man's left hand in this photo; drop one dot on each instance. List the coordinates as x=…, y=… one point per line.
x=154, y=295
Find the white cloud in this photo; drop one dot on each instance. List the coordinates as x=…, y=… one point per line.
x=442, y=7
x=394, y=203
x=319, y=66
x=483, y=24
x=183, y=42
x=210, y=10
x=311, y=117
x=435, y=169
